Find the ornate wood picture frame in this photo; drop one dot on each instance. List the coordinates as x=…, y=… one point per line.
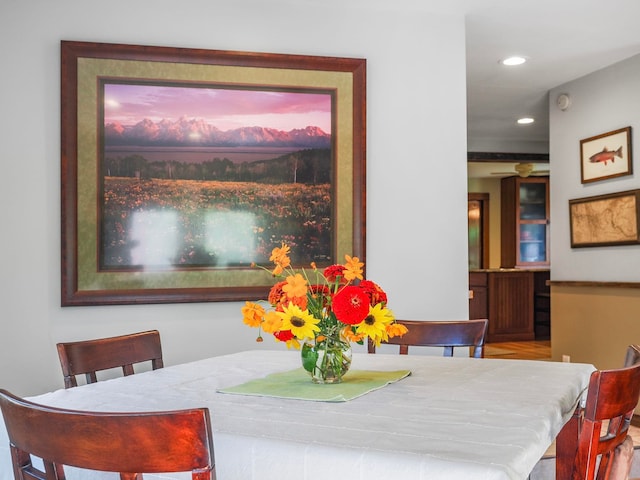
x=165, y=201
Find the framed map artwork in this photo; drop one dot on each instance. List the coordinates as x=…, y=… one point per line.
x=604, y=220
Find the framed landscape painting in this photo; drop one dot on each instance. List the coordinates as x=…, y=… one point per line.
x=183, y=168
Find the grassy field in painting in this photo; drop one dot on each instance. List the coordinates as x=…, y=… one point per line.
x=156, y=222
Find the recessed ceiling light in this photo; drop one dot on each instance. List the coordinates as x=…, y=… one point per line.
x=511, y=61
x=525, y=120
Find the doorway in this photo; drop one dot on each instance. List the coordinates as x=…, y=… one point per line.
x=478, y=228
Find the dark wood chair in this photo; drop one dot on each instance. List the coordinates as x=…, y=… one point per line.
x=91, y=356
x=603, y=427
x=633, y=355
x=127, y=443
x=449, y=334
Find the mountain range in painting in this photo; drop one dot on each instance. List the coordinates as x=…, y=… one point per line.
x=196, y=132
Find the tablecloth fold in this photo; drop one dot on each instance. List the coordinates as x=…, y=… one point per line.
x=296, y=384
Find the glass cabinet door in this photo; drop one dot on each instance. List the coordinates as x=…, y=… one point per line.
x=533, y=242
x=533, y=228
x=533, y=201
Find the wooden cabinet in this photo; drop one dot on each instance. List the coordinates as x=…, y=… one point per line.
x=478, y=306
x=542, y=305
x=524, y=222
x=506, y=299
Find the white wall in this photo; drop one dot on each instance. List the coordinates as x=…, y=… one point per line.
x=416, y=178
x=600, y=102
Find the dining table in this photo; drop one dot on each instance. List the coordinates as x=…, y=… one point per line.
x=414, y=417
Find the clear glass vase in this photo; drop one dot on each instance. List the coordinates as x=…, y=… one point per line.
x=327, y=358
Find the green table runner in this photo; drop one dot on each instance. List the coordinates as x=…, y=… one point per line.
x=297, y=384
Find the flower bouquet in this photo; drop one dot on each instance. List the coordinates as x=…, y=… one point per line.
x=326, y=310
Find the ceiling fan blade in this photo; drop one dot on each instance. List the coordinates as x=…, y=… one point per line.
x=523, y=170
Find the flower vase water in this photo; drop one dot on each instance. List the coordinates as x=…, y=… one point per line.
x=326, y=358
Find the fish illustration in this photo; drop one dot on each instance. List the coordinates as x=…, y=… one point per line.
x=606, y=156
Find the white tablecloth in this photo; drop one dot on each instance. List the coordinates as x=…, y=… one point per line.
x=452, y=418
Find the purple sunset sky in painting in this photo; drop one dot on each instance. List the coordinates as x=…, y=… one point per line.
x=225, y=109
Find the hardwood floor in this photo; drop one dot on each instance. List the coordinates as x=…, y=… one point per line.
x=533, y=350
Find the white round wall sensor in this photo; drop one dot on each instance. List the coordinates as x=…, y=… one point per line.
x=563, y=101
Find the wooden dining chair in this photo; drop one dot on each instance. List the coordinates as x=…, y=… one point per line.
x=447, y=334
x=127, y=443
x=633, y=355
x=612, y=397
x=91, y=356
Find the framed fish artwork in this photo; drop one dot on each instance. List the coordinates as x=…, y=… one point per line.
x=605, y=156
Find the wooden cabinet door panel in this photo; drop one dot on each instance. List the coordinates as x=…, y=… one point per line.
x=510, y=307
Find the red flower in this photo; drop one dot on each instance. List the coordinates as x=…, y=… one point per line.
x=374, y=292
x=319, y=289
x=332, y=272
x=283, y=335
x=351, y=305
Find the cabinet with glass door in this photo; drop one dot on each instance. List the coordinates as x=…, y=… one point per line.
x=524, y=222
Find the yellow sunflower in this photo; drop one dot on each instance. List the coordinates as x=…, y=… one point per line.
x=301, y=323
x=375, y=324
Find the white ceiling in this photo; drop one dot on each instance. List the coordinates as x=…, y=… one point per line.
x=563, y=40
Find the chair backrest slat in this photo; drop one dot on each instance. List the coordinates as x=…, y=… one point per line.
x=611, y=400
x=87, y=357
x=141, y=442
x=446, y=334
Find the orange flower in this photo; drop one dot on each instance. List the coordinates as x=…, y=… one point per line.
x=280, y=257
x=296, y=286
x=351, y=336
x=252, y=314
x=272, y=322
x=396, y=330
x=301, y=302
x=353, y=268
x=280, y=254
x=276, y=295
